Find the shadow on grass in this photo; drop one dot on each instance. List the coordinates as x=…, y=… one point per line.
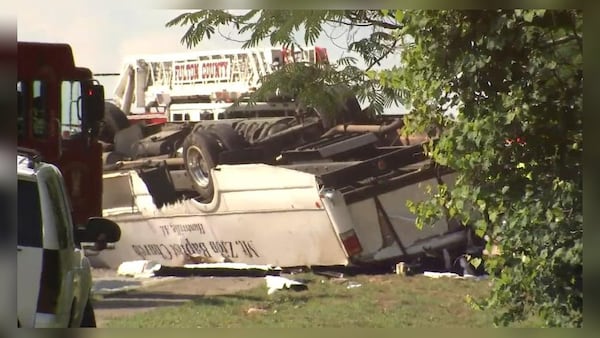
x=148, y=300
x=297, y=296
x=152, y=295
x=140, y=299
x=135, y=303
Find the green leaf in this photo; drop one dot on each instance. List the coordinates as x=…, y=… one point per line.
x=481, y=204
x=480, y=232
x=476, y=262
x=549, y=215
x=399, y=15
x=493, y=216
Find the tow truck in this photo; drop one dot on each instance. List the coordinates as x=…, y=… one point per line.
x=191, y=86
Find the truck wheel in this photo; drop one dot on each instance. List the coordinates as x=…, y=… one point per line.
x=89, y=318
x=200, y=155
x=279, y=126
x=250, y=130
x=256, y=135
x=230, y=138
x=114, y=120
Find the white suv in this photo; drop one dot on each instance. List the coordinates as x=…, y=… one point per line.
x=54, y=279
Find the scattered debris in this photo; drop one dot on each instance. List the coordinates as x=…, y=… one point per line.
x=401, y=269
x=453, y=275
x=255, y=310
x=105, y=287
x=338, y=280
x=275, y=283
x=352, y=285
x=138, y=269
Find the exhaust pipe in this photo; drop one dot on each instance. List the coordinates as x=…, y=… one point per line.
x=377, y=129
x=364, y=128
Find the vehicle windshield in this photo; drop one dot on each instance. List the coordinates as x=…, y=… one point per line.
x=70, y=108
x=29, y=220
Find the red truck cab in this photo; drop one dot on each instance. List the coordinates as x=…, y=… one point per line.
x=60, y=108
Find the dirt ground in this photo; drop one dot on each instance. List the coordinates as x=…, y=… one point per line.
x=150, y=293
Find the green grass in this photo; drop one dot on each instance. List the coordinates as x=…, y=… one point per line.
x=381, y=301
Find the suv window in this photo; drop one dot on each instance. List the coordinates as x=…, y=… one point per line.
x=60, y=211
x=29, y=221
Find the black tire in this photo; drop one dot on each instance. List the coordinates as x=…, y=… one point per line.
x=230, y=138
x=126, y=140
x=250, y=130
x=256, y=135
x=278, y=127
x=89, y=318
x=114, y=120
x=200, y=155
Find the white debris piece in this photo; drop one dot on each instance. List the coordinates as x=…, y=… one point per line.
x=353, y=285
x=275, y=283
x=452, y=275
x=138, y=269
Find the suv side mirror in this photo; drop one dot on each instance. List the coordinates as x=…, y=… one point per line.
x=92, y=104
x=100, y=231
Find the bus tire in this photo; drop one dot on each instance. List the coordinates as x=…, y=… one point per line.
x=231, y=139
x=200, y=155
x=114, y=120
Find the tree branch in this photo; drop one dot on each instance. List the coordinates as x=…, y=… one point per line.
x=563, y=40
x=383, y=56
x=579, y=39
x=371, y=22
x=339, y=36
x=383, y=24
x=228, y=37
x=348, y=23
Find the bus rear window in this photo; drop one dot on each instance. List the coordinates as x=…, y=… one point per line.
x=29, y=219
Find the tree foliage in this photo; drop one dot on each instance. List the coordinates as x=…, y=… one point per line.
x=309, y=83
x=515, y=78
